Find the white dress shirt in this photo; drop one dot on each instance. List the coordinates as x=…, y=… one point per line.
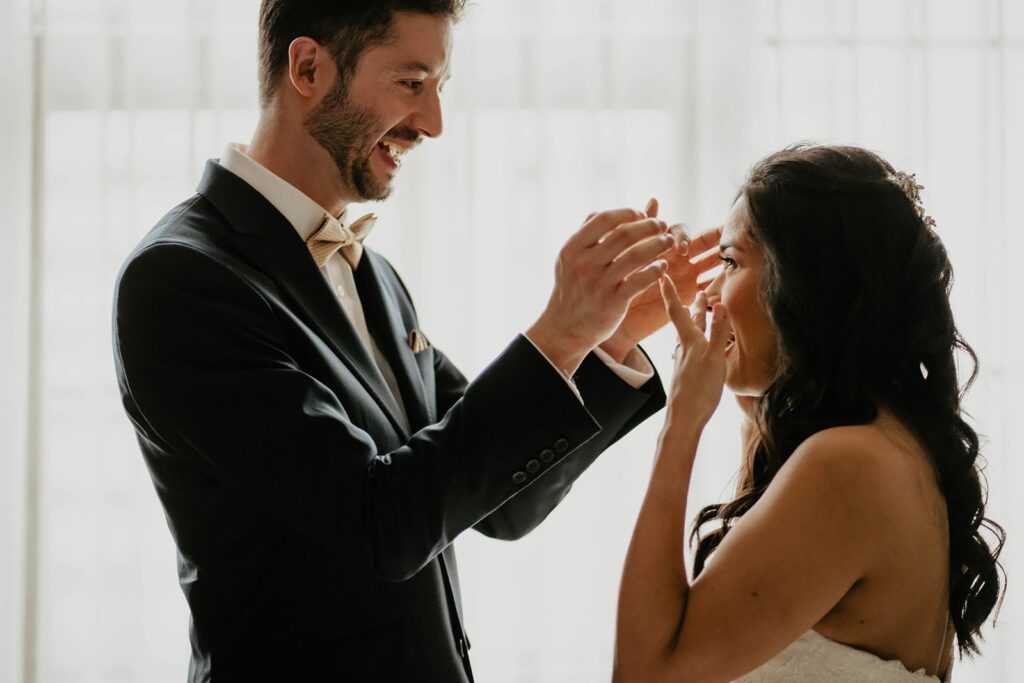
x=305, y=215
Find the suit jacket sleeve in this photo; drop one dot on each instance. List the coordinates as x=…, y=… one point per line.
x=206, y=376
x=617, y=407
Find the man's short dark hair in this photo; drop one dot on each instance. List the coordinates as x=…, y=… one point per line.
x=347, y=28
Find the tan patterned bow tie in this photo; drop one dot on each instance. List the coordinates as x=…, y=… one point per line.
x=332, y=236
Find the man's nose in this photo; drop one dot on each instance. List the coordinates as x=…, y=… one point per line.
x=429, y=120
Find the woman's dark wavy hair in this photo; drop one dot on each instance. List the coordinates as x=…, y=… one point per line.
x=857, y=285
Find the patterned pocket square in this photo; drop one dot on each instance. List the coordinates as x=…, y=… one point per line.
x=418, y=341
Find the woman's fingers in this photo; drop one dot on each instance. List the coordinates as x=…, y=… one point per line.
x=719, y=337
x=700, y=311
x=706, y=240
x=707, y=262
x=677, y=313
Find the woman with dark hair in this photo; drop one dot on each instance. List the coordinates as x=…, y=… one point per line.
x=853, y=549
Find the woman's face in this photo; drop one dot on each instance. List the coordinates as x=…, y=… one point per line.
x=750, y=356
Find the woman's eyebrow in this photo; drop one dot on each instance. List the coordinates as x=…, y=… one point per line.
x=722, y=246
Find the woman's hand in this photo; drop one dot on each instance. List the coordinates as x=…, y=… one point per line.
x=646, y=314
x=700, y=363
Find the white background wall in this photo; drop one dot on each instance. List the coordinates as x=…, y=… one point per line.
x=556, y=108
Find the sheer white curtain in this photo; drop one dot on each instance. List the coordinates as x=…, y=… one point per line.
x=557, y=107
x=16, y=198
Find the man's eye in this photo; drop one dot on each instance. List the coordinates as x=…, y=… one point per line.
x=413, y=85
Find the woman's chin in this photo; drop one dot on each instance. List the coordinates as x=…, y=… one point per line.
x=741, y=387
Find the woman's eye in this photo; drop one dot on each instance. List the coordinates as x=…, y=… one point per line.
x=729, y=263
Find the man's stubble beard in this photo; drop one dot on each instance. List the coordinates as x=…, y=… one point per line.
x=344, y=130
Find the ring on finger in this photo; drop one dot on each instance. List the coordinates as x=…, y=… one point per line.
x=681, y=234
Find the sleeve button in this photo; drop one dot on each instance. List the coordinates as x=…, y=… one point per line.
x=547, y=455
x=519, y=477
x=562, y=445
x=532, y=466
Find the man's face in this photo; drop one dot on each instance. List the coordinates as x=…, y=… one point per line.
x=390, y=104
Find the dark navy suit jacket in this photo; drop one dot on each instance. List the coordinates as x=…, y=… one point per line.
x=313, y=531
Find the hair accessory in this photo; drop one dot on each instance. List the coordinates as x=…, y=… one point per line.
x=910, y=187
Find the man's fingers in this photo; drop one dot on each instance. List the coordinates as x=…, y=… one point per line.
x=720, y=327
x=624, y=237
x=599, y=225
x=652, y=208
x=706, y=240
x=639, y=281
x=637, y=256
x=682, y=238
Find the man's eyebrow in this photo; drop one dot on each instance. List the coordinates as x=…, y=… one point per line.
x=414, y=65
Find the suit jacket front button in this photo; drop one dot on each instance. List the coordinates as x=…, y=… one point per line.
x=532, y=466
x=562, y=445
x=547, y=455
x=519, y=477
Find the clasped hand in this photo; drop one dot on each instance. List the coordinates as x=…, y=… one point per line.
x=605, y=285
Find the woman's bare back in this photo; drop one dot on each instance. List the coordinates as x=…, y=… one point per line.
x=899, y=609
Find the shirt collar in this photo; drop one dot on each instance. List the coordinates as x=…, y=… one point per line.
x=297, y=207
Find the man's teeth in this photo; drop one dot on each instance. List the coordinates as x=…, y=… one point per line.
x=394, y=151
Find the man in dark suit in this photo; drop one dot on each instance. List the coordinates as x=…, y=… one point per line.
x=314, y=454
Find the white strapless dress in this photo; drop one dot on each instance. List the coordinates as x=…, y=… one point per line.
x=814, y=658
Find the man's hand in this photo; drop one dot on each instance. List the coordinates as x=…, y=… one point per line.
x=601, y=269
x=646, y=314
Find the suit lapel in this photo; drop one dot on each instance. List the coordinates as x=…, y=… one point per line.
x=389, y=331
x=270, y=242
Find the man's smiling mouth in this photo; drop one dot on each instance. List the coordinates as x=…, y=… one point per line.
x=393, y=151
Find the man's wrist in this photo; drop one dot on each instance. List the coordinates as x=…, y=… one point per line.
x=618, y=347
x=560, y=348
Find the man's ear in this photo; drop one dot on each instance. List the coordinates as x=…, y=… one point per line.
x=309, y=66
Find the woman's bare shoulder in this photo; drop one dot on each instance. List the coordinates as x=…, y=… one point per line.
x=866, y=463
